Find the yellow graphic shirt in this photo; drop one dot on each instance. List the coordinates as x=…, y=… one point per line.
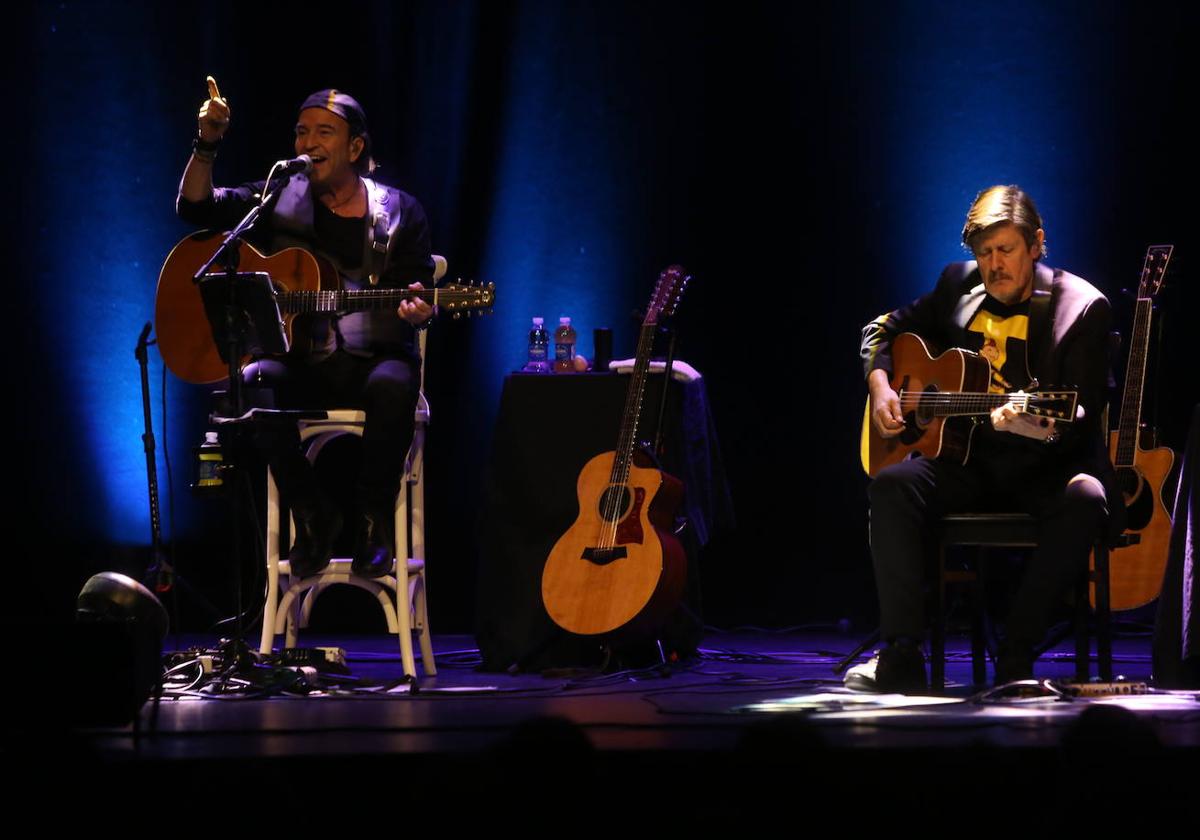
x=999, y=334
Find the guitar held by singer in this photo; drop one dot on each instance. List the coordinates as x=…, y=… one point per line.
x=303, y=284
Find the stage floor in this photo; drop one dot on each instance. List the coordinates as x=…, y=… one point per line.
x=757, y=714
x=739, y=678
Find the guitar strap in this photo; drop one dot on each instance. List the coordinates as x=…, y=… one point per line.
x=379, y=230
x=1041, y=321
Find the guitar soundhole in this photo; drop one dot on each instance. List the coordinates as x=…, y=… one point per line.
x=1139, y=504
x=924, y=411
x=614, y=503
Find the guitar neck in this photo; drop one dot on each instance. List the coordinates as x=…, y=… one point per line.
x=633, y=404
x=345, y=300
x=969, y=403
x=1135, y=374
x=1154, y=270
x=670, y=285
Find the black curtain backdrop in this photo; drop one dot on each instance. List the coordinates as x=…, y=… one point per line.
x=809, y=165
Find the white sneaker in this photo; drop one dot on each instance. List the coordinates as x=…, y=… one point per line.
x=861, y=677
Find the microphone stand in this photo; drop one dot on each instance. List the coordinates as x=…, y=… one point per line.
x=238, y=304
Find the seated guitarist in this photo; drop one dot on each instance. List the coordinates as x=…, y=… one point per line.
x=371, y=233
x=1031, y=322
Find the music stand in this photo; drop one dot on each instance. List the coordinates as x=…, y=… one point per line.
x=243, y=314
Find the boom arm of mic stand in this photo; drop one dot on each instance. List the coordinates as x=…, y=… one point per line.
x=235, y=236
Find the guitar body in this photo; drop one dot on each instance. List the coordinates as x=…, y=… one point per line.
x=632, y=586
x=1136, y=572
x=184, y=336
x=916, y=371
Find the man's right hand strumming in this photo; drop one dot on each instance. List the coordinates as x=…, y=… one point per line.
x=886, y=415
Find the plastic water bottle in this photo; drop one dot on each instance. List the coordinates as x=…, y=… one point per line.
x=564, y=347
x=539, y=348
x=210, y=463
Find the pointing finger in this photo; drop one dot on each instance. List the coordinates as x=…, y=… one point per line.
x=213, y=91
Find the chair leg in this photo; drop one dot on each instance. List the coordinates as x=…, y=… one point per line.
x=400, y=527
x=978, y=627
x=1103, y=613
x=269, y=611
x=404, y=617
x=291, y=635
x=428, y=664
x=1082, y=638
x=272, y=601
x=937, y=634
x=978, y=649
x=309, y=602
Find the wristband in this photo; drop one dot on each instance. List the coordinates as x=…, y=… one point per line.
x=205, y=149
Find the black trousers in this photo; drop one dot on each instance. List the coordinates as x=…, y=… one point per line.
x=385, y=387
x=907, y=498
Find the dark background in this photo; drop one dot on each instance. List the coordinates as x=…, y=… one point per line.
x=811, y=166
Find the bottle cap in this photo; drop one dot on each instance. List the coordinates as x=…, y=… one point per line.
x=564, y=321
x=537, y=322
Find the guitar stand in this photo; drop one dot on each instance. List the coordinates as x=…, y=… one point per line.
x=615, y=660
x=614, y=657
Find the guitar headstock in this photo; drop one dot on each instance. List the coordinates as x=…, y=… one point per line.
x=1058, y=405
x=466, y=298
x=667, y=293
x=1154, y=269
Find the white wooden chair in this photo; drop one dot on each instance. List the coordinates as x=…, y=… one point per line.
x=401, y=594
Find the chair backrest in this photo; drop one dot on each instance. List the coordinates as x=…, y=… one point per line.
x=440, y=265
x=1114, y=358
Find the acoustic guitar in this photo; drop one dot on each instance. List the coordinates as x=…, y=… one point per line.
x=619, y=568
x=304, y=283
x=1136, y=571
x=941, y=400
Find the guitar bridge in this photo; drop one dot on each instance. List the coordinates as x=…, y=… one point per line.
x=604, y=556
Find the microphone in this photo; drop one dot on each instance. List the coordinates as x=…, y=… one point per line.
x=303, y=163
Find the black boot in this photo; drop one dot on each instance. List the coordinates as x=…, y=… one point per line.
x=901, y=669
x=317, y=526
x=373, y=544
x=1014, y=661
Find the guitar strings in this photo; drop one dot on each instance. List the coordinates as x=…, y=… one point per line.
x=622, y=463
x=327, y=300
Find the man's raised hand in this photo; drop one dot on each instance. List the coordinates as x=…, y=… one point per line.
x=214, y=114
